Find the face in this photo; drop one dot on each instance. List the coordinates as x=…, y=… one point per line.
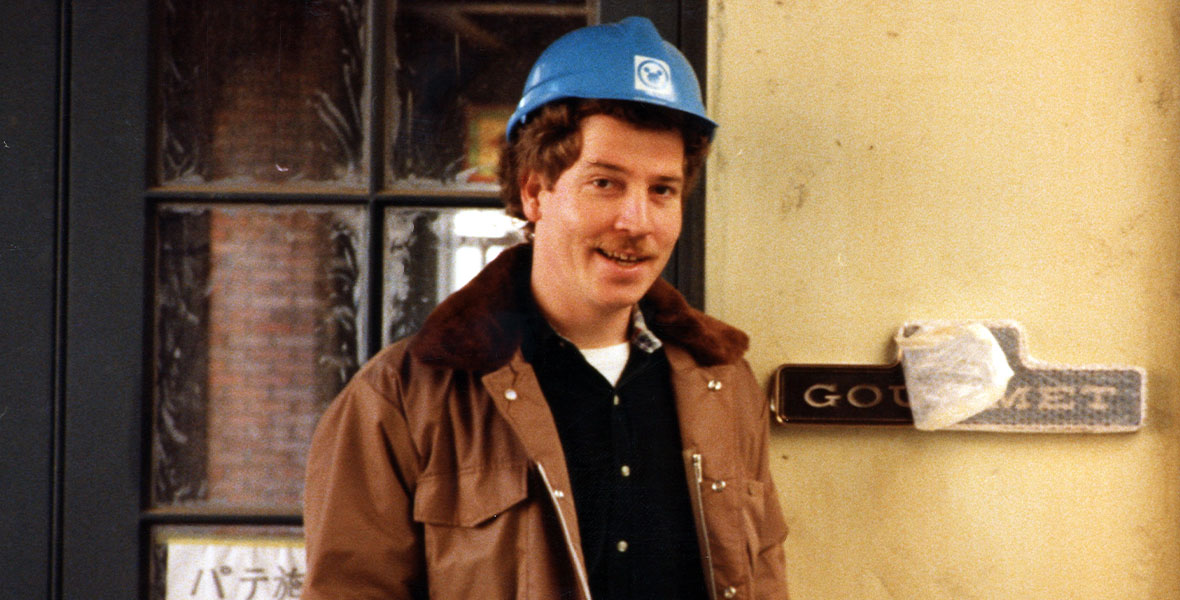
x=605, y=229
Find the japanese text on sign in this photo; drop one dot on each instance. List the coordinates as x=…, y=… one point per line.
x=217, y=569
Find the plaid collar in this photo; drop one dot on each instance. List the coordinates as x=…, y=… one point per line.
x=641, y=336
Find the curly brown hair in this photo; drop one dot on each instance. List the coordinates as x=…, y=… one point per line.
x=550, y=141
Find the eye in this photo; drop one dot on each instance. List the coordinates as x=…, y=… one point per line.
x=667, y=191
x=601, y=183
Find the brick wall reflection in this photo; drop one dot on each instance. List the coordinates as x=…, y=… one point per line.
x=262, y=92
x=269, y=295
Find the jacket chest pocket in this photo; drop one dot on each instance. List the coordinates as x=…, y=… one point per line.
x=476, y=526
x=469, y=498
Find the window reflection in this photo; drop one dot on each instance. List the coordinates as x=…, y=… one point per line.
x=258, y=325
x=261, y=93
x=432, y=252
x=457, y=72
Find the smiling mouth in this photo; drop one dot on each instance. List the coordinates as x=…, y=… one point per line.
x=623, y=259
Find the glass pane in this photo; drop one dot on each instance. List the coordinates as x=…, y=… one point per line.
x=457, y=70
x=431, y=252
x=227, y=563
x=258, y=324
x=261, y=93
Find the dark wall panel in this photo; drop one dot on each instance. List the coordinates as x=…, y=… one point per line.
x=105, y=323
x=28, y=161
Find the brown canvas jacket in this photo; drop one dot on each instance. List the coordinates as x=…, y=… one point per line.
x=438, y=473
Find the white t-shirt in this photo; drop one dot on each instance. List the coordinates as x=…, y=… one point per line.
x=609, y=360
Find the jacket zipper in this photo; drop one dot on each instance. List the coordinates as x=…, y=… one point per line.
x=702, y=527
x=579, y=568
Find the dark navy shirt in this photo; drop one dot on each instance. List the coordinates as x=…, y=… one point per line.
x=630, y=487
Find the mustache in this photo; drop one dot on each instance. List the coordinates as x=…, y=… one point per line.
x=627, y=246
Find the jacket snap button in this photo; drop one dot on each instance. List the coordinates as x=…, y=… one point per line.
x=622, y=546
x=730, y=592
x=510, y=394
x=558, y=494
x=714, y=385
x=719, y=485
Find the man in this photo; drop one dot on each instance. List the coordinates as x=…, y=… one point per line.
x=565, y=426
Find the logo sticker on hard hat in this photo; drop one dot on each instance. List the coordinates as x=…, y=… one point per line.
x=653, y=76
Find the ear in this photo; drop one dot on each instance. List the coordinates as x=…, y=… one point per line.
x=531, y=186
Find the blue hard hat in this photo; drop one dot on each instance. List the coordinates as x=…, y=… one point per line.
x=627, y=60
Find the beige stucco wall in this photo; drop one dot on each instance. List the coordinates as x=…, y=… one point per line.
x=886, y=161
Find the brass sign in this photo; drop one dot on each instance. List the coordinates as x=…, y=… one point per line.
x=1040, y=397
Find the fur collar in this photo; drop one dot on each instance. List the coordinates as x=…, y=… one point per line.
x=479, y=327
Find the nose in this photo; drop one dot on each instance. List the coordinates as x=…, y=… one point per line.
x=633, y=214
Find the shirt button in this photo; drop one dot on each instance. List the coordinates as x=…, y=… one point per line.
x=719, y=485
x=510, y=394
x=730, y=592
x=625, y=470
x=558, y=494
x=615, y=400
x=714, y=385
x=622, y=545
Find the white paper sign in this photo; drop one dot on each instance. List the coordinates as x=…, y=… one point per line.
x=220, y=569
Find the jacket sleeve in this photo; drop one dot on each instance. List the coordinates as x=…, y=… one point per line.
x=362, y=542
x=770, y=578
